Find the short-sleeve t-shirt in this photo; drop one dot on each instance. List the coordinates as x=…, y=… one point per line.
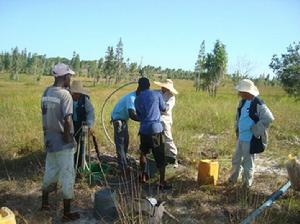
x=120, y=111
x=245, y=123
x=149, y=105
x=56, y=104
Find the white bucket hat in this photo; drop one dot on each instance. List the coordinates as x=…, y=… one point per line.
x=76, y=87
x=62, y=69
x=246, y=85
x=168, y=85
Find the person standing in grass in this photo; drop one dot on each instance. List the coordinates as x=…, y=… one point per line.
x=57, y=110
x=83, y=114
x=122, y=111
x=252, y=120
x=168, y=92
x=149, y=105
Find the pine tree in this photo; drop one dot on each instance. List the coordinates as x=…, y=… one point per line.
x=92, y=69
x=99, y=70
x=75, y=62
x=119, y=61
x=7, y=61
x=16, y=62
x=200, y=66
x=220, y=63
x=109, y=64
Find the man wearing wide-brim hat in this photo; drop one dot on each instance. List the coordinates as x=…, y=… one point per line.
x=252, y=120
x=168, y=91
x=83, y=114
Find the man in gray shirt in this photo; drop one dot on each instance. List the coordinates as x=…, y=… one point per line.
x=57, y=110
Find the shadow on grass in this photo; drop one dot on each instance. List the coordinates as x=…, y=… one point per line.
x=28, y=166
x=26, y=207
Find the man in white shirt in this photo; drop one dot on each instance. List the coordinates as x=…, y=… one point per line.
x=168, y=92
x=57, y=110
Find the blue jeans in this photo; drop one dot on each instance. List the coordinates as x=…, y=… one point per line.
x=121, y=138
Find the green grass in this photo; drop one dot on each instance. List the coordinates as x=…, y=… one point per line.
x=200, y=122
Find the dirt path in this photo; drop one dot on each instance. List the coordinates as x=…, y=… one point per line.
x=187, y=201
x=265, y=165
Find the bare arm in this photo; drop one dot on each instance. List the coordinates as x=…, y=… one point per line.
x=133, y=115
x=67, y=129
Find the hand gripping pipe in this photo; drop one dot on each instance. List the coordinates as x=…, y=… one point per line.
x=267, y=203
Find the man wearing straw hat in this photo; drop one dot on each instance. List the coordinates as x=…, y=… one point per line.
x=252, y=120
x=83, y=114
x=168, y=92
x=57, y=110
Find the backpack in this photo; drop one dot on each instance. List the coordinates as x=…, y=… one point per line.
x=256, y=144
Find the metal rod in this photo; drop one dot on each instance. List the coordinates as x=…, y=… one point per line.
x=267, y=203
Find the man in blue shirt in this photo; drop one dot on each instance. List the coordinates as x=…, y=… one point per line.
x=149, y=105
x=120, y=115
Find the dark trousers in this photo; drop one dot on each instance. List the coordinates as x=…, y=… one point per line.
x=154, y=142
x=80, y=145
x=121, y=138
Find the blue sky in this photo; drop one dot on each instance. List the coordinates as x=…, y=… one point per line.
x=165, y=33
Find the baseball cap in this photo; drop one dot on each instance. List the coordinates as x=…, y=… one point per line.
x=62, y=69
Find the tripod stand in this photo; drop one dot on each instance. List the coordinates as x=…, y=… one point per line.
x=83, y=152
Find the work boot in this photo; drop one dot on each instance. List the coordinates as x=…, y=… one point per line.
x=68, y=215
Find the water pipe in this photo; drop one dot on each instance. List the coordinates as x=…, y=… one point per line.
x=274, y=196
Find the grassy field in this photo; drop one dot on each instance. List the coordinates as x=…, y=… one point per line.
x=201, y=123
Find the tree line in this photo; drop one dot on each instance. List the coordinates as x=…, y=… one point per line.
x=209, y=72
x=112, y=68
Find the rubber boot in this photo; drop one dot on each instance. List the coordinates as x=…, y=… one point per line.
x=68, y=215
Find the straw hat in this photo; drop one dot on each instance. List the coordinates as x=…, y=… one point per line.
x=246, y=85
x=168, y=85
x=76, y=87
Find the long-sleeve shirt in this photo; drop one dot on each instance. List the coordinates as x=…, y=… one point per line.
x=169, y=99
x=89, y=109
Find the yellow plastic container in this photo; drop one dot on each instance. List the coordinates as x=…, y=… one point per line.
x=208, y=171
x=7, y=216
